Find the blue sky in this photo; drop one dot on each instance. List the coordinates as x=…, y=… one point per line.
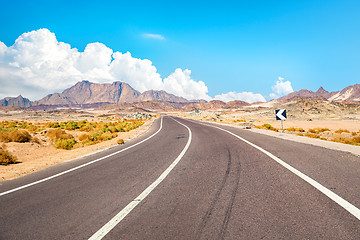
x=229, y=45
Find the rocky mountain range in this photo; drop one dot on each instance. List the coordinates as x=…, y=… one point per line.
x=19, y=101
x=350, y=93
x=89, y=93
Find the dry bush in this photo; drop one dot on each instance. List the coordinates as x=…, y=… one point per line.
x=269, y=127
x=20, y=136
x=341, y=139
x=32, y=128
x=55, y=134
x=353, y=134
x=4, y=137
x=293, y=129
x=340, y=131
x=6, y=157
x=66, y=144
x=120, y=141
x=312, y=135
x=318, y=130
x=85, y=137
x=355, y=140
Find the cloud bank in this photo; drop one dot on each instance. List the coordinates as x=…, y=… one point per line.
x=242, y=96
x=38, y=64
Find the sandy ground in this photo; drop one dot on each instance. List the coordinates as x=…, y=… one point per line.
x=316, y=142
x=332, y=124
x=35, y=157
x=247, y=120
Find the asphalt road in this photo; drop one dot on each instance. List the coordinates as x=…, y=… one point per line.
x=221, y=188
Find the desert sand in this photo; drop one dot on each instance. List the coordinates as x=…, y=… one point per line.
x=34, y=157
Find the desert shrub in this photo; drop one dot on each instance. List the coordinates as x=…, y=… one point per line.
x=11, y=125
x=32, y=128
x=20, y=136
x=339, y=131
x=239, y=120
x=66, y=144
x=269, y=127
x=71, y=125
x=300, y=134
x=318, y=130
x=312, y=135
x=4, y=137
x=87, y=127
x=55, y=134
x=341, y=139
x=353, y=134
x=6, y=157
x=120, y=141
x=85, y=137
x=113, y=129
x=293, y=129
x=356, y=140
x=106, y=130
x=53, y=125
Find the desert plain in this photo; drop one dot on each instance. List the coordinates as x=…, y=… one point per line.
x=306, y=118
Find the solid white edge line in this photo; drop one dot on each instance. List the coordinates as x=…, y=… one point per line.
x=333, y=196
x=81, y=166
x=125, y=211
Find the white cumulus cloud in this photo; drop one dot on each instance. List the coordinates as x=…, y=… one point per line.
x=181, y=84
x=153, y=36
x=38, y=64
x=243, y=96
x=281, y=88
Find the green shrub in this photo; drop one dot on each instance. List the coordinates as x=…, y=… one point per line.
x=66, y=144
x=32, y=128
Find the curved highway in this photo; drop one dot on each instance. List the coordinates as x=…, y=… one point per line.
x=190, y=180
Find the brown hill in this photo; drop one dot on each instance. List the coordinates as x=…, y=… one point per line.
x=153, y=95
x=19, y=101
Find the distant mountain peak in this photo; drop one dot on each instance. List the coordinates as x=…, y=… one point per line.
x=18, y=101
x=321, y=90
x=349, y=93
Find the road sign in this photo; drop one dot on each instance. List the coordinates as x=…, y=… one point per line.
x=280, y=114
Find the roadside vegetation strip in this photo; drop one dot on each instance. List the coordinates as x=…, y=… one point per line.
x=81, y=166
x=102, y=232
x=333, y=196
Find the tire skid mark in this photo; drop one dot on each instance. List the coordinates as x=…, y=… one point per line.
x=208, y=213
x=231, y=203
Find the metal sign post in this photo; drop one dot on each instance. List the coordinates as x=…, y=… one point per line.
x=281, y=115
